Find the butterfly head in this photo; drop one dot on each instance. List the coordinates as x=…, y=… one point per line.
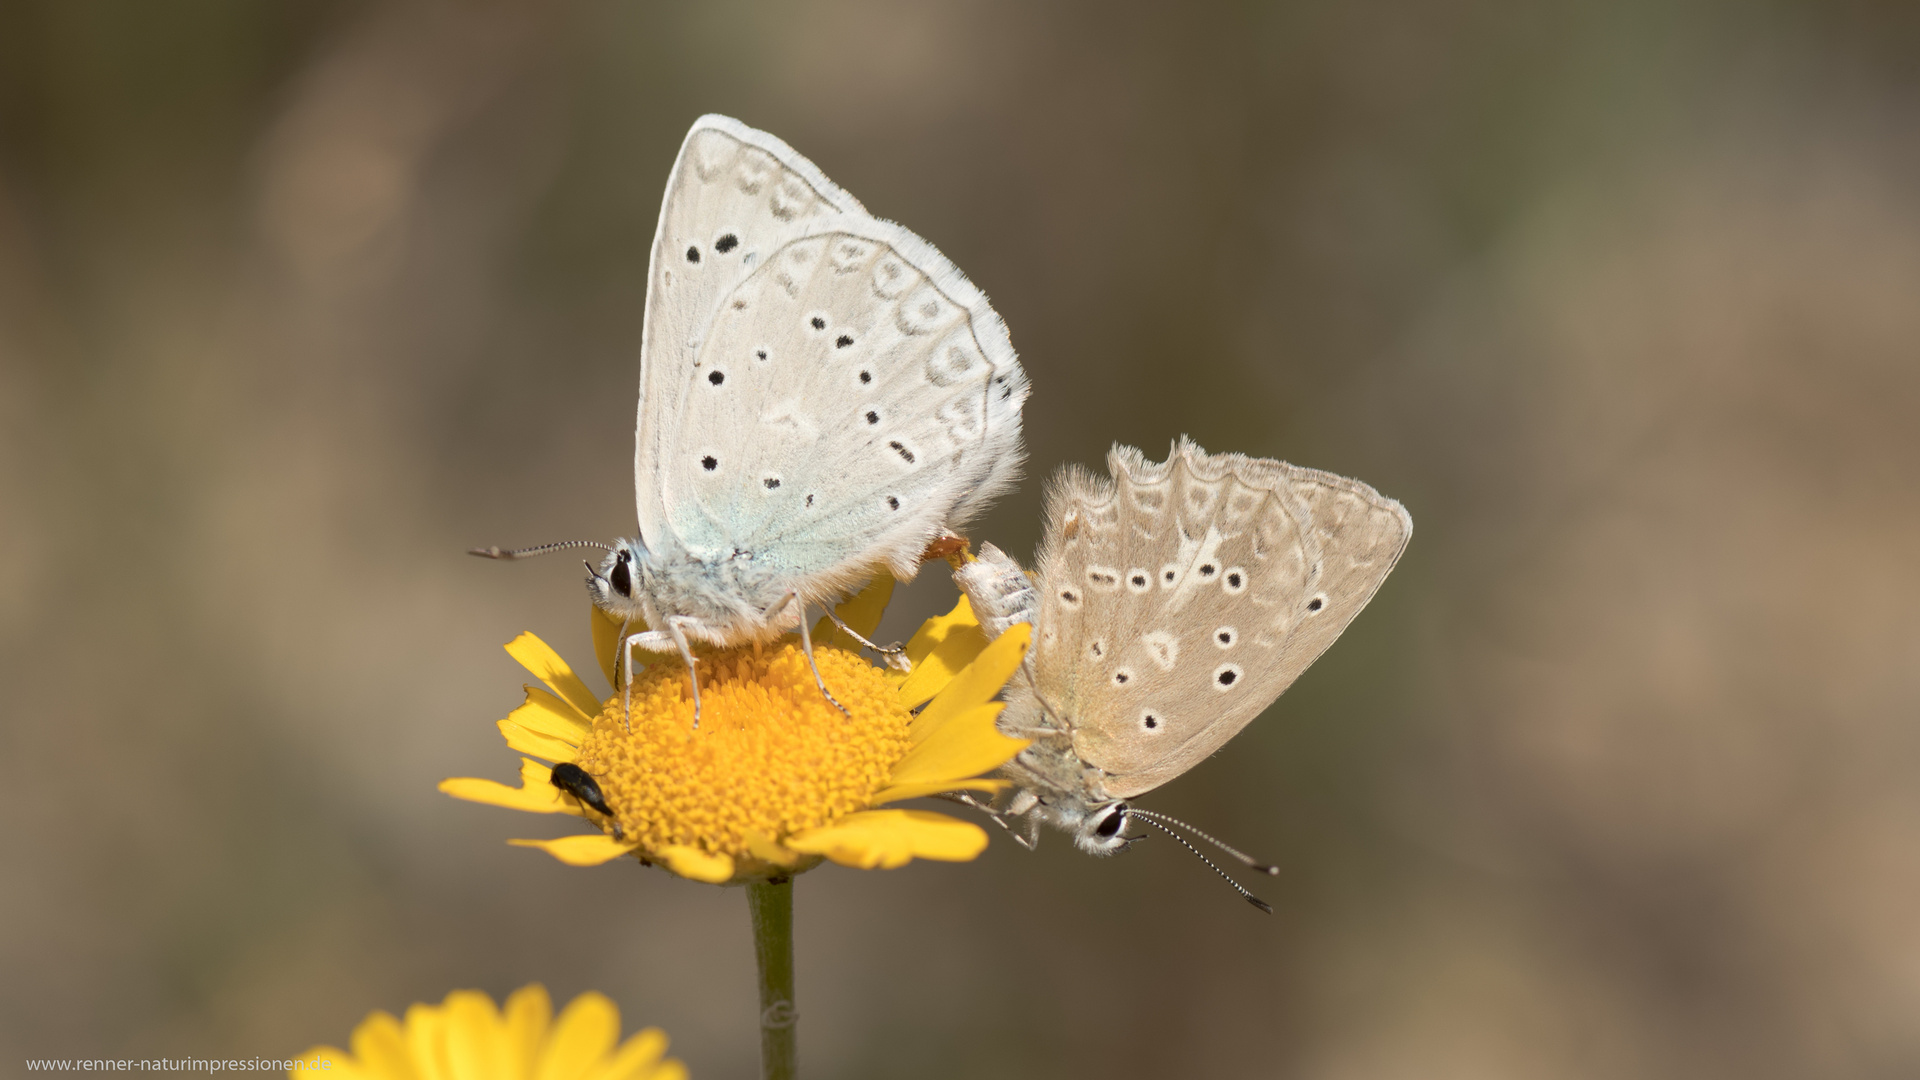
x=617, y=587
x=1099, y=829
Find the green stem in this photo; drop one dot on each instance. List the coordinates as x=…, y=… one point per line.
x=770, y=904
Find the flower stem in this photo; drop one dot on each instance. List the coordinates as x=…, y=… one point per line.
x=770, y=904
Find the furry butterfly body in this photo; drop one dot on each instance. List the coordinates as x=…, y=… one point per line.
x=1172, y=604
x=821, y=395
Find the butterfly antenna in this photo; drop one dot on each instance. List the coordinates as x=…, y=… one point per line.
x=528, y=553
x=1250, y=861
x=1237, y=887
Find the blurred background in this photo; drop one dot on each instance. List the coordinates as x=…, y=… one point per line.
x=1619, y=776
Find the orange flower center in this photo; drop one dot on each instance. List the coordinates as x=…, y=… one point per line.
x=771, y=755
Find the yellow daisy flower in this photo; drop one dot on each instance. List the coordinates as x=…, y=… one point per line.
x=775, y=778
x=466, y=1038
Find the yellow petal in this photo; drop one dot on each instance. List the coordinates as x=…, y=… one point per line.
x=606, y=643
x=902, y=792
x=861, y=614
x=380, y=1046
x=476, y=1037
x=965, y=746
x=670, y=1069
x=536, y=743
x=769, y=851
x=944, y=645
x=550, y=715
x=589, y=849
x=425, y=1027
x=889, y=838
x=528, y=1013
x=536, y=656
x=582, y=1036
x=691, y=862
x=636, y=1057
x=340, y=1065
x=935, y=630
x=536, y=793
x=977, y=684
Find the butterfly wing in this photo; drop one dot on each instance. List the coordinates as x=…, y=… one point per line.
x=734, y=197
x=1179, y=599
x=845, y=397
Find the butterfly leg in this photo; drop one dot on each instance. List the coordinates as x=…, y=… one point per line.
x=806, y=646
x=895, y=655
x=1030, y=841
x=672, y=639
x=806, y=642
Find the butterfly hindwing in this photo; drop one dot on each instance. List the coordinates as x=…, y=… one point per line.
x=1179, y=599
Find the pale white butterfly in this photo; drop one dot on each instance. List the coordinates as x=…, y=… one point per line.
x=1171, y=605
x=822, y=394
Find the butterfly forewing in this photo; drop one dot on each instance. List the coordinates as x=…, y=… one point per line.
x=1180, y=599
x=734, y=197
x=848, y=395
x=820, y=388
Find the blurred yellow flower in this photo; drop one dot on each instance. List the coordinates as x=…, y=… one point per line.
x=775, y=778
x=466, y=1038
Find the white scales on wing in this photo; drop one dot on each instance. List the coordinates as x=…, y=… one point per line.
x=822, y=394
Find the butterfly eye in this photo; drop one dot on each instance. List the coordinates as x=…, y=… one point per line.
x=1111, y=824
x=621, y=578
